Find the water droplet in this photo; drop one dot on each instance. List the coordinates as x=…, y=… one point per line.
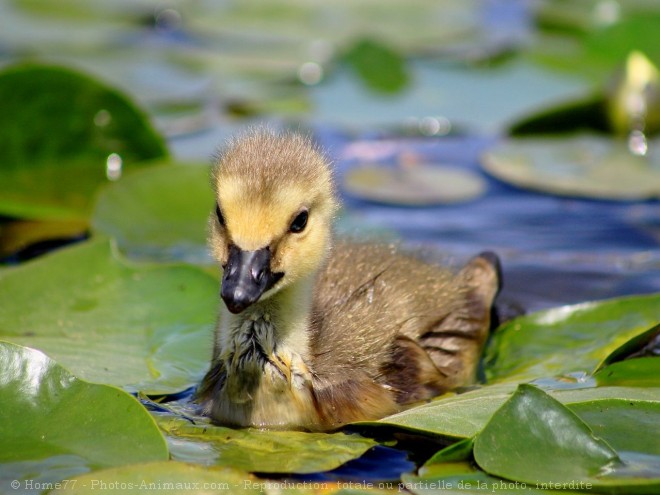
x=113, y=166
x=102, y=118
x=310, y=73
x=637, y=143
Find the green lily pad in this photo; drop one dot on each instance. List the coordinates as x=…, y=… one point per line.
x=260, y=450
x=158, y=213
x=417, y=185
x=163, y=477
x=626, y=424
x=638, y=346
x=588, y=166
x=144, y=327
x=178, y=478
x=455, y=416
x=20, y=234
x=465, y=415
x=457, y=452
x=380, y=67
x=55, y=425
x=62, y=135
x=539, y=345
x=608, y=37
x=461, y=478
x=640, y=372
x=534, y=439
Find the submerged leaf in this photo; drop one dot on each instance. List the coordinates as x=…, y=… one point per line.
x=54, y=425
x=58, y=129
x=142, y=327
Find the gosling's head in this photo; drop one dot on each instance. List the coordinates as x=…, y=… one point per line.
x=274, y=207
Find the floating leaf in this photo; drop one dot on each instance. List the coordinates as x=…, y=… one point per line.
x=460, y=478
x=626, y=424
x=178, y=478
x=142, y=327
x=58, y=129
x=589, y=166
x=261, y=450
x=482, y=98
x=54, y=425
x=163, y=477
x=158, y=213
x=17, y=236
x=379, y=66
x=457, y=452
x=456, y=416
x=465, y=415
x=534, y=439
x=606, y=42
x=638, y=346
x=537, y=345
x=638, y=372
x=416, y=185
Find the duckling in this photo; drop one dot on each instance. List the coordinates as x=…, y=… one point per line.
x=314, y=334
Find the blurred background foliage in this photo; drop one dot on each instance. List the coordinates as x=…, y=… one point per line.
x=109, y=113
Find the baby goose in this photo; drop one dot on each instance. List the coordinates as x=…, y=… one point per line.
x=312, y=336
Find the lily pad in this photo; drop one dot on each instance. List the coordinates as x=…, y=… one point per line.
x=457, y=452
x=535, y=439
x=163, y=477
x=260, y=450
x=18, y=235
x=63, y=134
x=379, y=66
x=640, y=372
x=143, y=327
x=587, y=166
x=465, y=415
x=639, y=346
x=178, y=478
x=464, y=478
x=49, y=418
x=416, y=185
x=537, y=345
x=159, y=213
x=626, y=424
x=455, y=416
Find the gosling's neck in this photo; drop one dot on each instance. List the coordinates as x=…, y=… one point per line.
x=277, y=325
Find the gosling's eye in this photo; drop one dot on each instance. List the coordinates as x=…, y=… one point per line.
x=300, y=222
x=218, y=213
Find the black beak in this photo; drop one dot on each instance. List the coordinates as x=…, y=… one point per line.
x=246, y=277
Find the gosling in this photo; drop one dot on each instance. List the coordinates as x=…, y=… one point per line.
x=314, y=335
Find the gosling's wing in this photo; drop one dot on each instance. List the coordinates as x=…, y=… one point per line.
x=454, y=343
